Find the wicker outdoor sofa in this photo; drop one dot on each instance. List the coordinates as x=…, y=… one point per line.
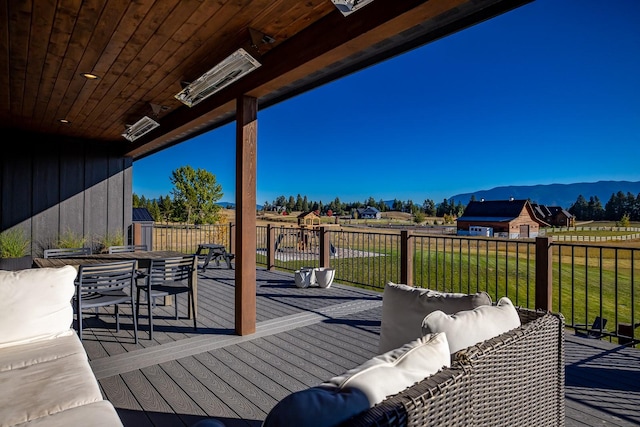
x=444, y=359
x=514, y=379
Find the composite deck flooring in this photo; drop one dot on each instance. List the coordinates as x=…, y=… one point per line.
x=303, y=337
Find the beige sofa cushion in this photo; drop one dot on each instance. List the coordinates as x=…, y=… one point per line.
x=35, y=304
x=355, y=391
x=22, y=356
x=97, y=414
x=38, y=386
x=404, y=307
x=470, y=327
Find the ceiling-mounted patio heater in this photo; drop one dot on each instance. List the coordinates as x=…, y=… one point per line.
x=234, y=67
x=349, y=6
x=139, y=128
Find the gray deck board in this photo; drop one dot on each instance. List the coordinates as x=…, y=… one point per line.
x=303, y=337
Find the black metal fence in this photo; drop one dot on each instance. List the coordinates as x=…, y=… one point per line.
x=593, y=286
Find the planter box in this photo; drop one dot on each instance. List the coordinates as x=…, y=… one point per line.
x=14, y=264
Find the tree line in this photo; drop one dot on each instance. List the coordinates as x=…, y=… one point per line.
x=336, y=207
x=195, y=196
x=619, y=207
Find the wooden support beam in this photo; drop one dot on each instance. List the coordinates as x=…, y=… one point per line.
x=246, y=158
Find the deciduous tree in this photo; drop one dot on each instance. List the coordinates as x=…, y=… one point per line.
x=196, y=194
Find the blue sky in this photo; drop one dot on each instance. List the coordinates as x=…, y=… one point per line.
x=547, y=93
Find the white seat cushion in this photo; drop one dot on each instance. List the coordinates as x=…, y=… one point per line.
x=395, y=370
x=470, y=327
x=404, y=307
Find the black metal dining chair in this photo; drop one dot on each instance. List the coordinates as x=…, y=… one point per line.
x=106, y=284
x=127, y=248
x=168, y=276
x=66, y=252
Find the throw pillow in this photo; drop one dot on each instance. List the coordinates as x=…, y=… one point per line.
x=35, y=304
x=470, y=327
x=404, y=307
x=358, y=389
x=316, y=407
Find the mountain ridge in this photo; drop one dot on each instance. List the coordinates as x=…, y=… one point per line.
x=563, y=195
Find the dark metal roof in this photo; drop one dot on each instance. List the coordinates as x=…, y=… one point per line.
x=495, y=208
x=141, y=215
x=484, y=218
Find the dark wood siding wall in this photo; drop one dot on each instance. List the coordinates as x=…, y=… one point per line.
x=53, y=189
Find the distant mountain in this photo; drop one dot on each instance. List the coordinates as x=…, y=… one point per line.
x=563, y=195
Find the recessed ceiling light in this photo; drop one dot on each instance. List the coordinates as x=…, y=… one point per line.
x=64, y=121
x=89, y=76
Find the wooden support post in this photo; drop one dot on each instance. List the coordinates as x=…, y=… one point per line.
x=406, y=257
x=544, y=273
x=271, y=247
x=325, y=247
x=246, y=157
x=137, y=234
x=232, y=237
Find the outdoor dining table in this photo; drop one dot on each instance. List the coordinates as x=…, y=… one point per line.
x=142, y=257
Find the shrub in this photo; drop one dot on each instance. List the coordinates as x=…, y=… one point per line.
x=14, y=243
x=116, y=239
x=70, y=239
x=625, y=221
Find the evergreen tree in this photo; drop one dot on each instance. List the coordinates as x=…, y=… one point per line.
x=281, y=202
x=595, y=209
x=408, y=206
x=154, y=210
x=579, y=208
x=443, y=208
x=614, y=209
x=371, y=202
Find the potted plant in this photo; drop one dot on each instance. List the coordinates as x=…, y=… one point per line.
x=15, y=250
x=324, y=276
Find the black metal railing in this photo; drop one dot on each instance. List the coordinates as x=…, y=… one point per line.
x=594, y=287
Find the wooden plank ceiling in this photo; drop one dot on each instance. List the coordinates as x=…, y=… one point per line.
x=143, y=50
